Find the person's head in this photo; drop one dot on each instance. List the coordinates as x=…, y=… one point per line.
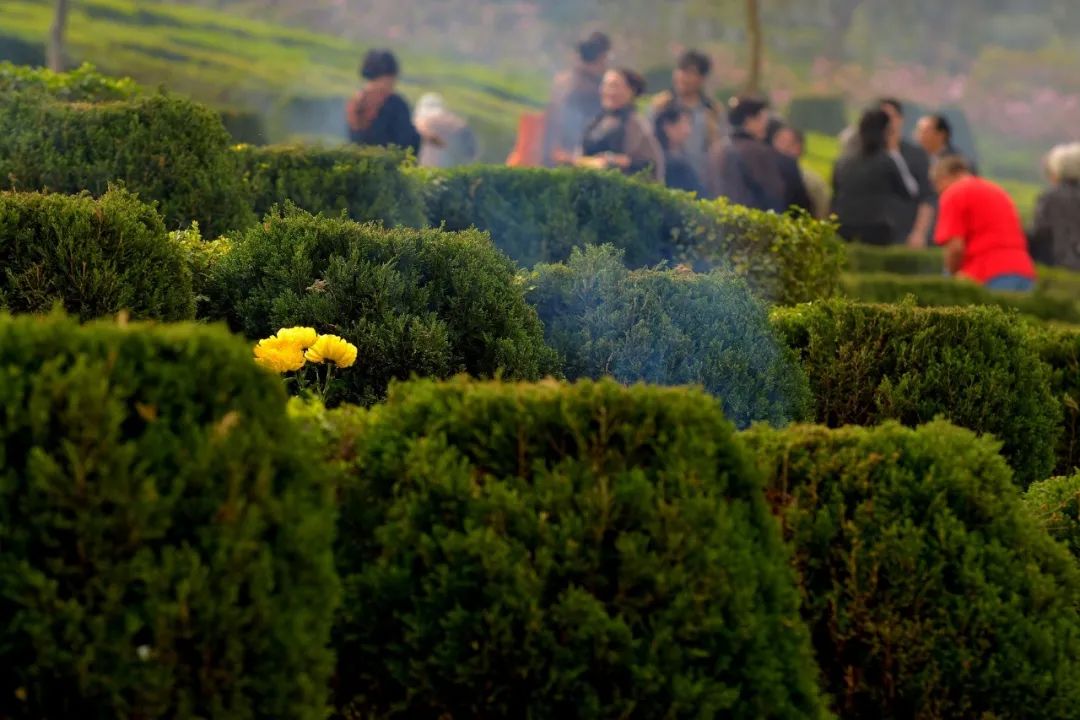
x=594, y=52
x=751, y=115
x=895, y=110
x=934, y=133
x=948, y=170
x=789, y=141
x=1063, y=164
x=875, y=130
x=673, y=127
x=380, y=68
x=620, y=88
x=690, y=73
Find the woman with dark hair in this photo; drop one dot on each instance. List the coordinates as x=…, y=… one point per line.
x=619, y=137
x=377, y=115
x=868, y=184
x=674, y=126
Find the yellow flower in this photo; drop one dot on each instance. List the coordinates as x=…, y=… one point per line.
x=302, y=337
x=279, y=355
x=331, y=348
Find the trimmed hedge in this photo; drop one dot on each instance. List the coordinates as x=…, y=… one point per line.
x=419, y=302
x=169, y=150
x=93, y=257
x=552, y=551
x=539, y=216
x=825, y=114
x=1056, y=504
x=1060, y=349
x=167, y=546
x=366, y=183
x=975, y=366
x=669, y=328
x=84, y=84
x=929, y=591
x=898, y=259
x=951, y=292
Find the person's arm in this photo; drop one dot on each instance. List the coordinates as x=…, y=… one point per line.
x=924, y=220
x=954, y=255
x=952, y=229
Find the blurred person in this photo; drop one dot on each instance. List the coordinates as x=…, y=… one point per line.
x=934, y=133
x=745, y=169
x=674, y=129
x=619, y=137
x=376, y=114
x=457, y=144
x=791, y=142
x=1055, y=234
x=980, y=230
x=868, y=183
x=575, y=100
x=688, y=93
x=795, y=193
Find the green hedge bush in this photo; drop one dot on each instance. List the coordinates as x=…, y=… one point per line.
x=169, y=150
x=167, y=546
x=93, y=257
x=900, y=260
x=929, y=591
x=1060, y=349
x=539, y=216
x=419, y=302
x=826, y=114
x=669, y=328
x=551, y=551
x=950, y=292
x=1056, y=504
x=84, y=84
x=975, y=366
x=366, y=183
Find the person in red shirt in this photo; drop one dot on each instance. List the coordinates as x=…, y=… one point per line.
x=980, y=229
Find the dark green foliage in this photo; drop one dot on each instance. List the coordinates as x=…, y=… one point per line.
x=82, y=85
x=975, y=366
x=418, y=302
x=669, y=328
x=167, y=149
x=245, y=126
x=930, y=592
x=93, y=257
x=1060, y=349
x=366, y=183
x=166, y=543
x=826, y=114
x=539, y=216
x=1056, y=504
x=901, y=260
x=552, y=551
x=950, y=292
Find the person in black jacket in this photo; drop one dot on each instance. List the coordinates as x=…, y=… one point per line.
x=376, y=114
x=674, y=127
x=795, y=193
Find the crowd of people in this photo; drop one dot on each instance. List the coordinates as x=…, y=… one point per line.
x=886, y=189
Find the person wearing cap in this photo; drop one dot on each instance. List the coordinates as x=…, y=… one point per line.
x=457, y=144
x=619, y=138
x=376, y=114
x=575, y=100
x=745, y=169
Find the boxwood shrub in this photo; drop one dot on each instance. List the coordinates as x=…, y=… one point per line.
x=539, y=216
x=84, y=84
x=365, y=183
x=975, y=366
x=92, y=257
x=898, y=259
x=929, y=591
x=553, y=551
x=1059, y=347
x=1056, y=504
x=669, y=328
x=413, y=301
x=167, y=546
x=169, y=150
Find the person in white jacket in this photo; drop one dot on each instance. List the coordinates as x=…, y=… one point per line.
x=457, y=143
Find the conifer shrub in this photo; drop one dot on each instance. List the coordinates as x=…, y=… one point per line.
x=1056, y=505
x=166, y=541
x=92, y=257
x=552, y=551
x=540, y=216
x=669, y=328
x=420, y=302
x=976, y=367
x=169, y=150
x=1059, y=347
x=929, y=590
x=365, y=183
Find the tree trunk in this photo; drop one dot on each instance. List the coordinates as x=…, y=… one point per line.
x=57, y=51
x=757, y=46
